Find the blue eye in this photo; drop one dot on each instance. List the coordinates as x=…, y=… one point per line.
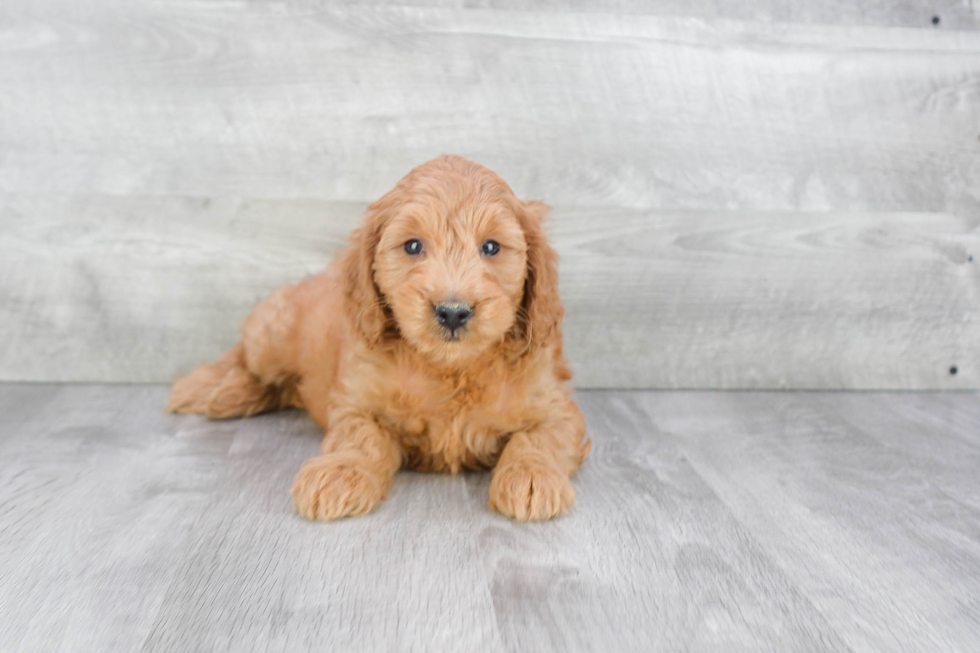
x=490, y=248
x=413, y=247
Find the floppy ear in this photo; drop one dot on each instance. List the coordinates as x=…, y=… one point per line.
x=362, y=299
x=541, y=313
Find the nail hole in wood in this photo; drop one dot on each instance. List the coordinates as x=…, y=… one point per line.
x=935, y=20
x=953, y=370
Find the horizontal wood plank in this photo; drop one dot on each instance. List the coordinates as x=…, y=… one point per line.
x=336, y=102
x=103, y=288
x=922, y=14
x=951, y=14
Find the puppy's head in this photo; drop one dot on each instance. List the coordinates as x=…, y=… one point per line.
x=452, y=262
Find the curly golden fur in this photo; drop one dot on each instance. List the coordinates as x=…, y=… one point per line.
x=393, y=382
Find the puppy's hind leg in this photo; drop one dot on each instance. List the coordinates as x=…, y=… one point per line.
x=223, y=389
x=250, y=378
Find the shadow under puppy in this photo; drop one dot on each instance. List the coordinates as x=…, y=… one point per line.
x=433, y=342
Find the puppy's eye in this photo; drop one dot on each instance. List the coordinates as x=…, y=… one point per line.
x=413, y=247
x=490, y=248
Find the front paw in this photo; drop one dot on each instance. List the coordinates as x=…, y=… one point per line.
x=529, y=490
x=330, y=487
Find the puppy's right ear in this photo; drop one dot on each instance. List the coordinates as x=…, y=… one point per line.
x=362, y=299
x=540, y=320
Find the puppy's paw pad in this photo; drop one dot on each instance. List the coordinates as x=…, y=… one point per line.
x=326, y=488
x=530, y=491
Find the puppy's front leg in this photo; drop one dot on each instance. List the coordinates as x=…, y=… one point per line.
x=531, y=481
x=353, y=474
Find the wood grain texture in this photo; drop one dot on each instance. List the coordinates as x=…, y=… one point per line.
x=150, y=285
x=799, y=179
x=948, y=457
x=304, y=99
x=774, y=300
x=705, y=522
x=853, y=520
x=98, y=288
x=952, y=14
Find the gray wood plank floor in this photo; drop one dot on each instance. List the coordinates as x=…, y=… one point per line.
x=720, y=521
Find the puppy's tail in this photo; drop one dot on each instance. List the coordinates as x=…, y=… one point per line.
x=226, y=389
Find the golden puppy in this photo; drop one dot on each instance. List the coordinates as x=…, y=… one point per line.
x=433, y=342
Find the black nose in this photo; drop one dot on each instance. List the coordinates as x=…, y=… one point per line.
x=453, y=315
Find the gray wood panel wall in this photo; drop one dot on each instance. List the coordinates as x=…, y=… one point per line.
x=751, y=196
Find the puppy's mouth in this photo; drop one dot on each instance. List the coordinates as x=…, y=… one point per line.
x=453, y=335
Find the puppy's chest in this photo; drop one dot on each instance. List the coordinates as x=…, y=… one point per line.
x=445, y=425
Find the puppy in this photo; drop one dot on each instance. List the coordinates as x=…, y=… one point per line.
x=433, y=342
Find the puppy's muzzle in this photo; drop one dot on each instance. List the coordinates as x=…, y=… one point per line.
x=453, y=315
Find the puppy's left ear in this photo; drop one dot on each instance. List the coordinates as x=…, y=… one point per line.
x=540, y=318
x=362, y=299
